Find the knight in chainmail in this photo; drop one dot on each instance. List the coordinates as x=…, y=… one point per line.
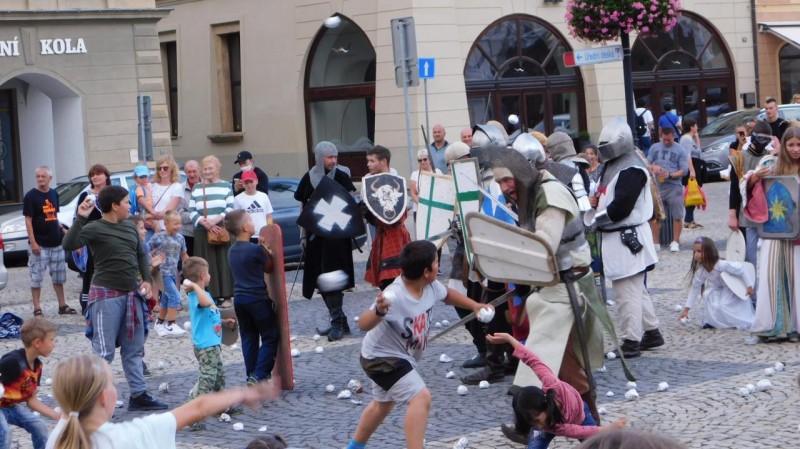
x=323, y=255
x=624, y=205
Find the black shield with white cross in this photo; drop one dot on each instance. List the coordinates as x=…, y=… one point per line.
x=332, y=212
x=385, y=196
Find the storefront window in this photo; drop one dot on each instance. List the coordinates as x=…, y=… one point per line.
x=516, y=67
x=789, y=61
x=9, y=184
x=340, y=94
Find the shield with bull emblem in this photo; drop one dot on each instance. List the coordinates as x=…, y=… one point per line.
x=385, y=196
x=331, y=212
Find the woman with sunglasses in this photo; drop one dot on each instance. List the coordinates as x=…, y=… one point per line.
x=167, y=190
x=423, y=158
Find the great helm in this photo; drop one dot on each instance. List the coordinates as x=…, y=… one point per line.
x=529, y=147
x=615, y=140
x=488, y=136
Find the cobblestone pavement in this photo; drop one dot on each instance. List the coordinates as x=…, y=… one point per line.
x=704, y=368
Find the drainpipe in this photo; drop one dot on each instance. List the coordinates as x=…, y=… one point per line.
x=755, y=48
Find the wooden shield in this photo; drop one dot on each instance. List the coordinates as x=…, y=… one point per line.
x=736, y=248
x=783, y=222
x=465, y=178
x=507, y=253
x=385, y=196
x=437, y=199
x=276, y=284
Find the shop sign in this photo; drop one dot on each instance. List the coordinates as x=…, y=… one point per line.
x=58, y=46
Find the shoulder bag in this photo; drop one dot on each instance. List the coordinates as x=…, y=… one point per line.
x=223, y=238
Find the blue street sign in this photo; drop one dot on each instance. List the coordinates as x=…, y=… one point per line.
x=427, y=67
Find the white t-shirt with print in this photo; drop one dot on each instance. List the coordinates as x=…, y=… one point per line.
x=163, y=194
x=256, y=205
x=403, y=332
x=150, y=431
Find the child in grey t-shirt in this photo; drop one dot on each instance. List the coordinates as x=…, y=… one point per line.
x=397, y=334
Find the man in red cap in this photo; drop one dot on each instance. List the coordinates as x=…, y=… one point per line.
x=255, y=203
x=245, y=161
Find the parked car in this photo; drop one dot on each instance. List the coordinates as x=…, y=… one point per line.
x=718, y=135
x=3, y=270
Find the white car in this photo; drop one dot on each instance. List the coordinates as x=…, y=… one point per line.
x=3, y=271
x=12, y=224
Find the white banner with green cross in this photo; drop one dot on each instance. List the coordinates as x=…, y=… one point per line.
x=465, y=178
x=437, y=199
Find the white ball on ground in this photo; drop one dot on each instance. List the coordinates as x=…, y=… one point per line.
x=677, y=308
x=631, y=394
x=744, y=392
x=163, y=388
x=332, y=281
x=602, y=410
x=450, y=375
x=779, y=367
x=462, y=443
x=611, y=355
x=355, y=319
x=187, y=325
x=630, y=384
x=224, y=417
x=262, y=429
x=330, y=388
x=295, y=352
x=663, y=386
x=602, y=369
x=161, y=364
x=769, y=371
x=462, y=390
x=120, y=404
x=319, y=350
x=610, y=394
x=48, y=381
x=444, y=358
x=484, y=384
x=445, y=323
x=763, y=385
x=751, y=388
x=316, y=337
x=238, y=426
x=344, y=394
x=437, y=324
x=685, y=320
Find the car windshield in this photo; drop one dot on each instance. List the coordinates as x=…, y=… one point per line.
x=281, y=195
x=726, y=124
x=68, y=191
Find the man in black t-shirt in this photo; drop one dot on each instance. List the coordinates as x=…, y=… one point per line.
x=777, y=124
x=245, y=161
x=40, y=208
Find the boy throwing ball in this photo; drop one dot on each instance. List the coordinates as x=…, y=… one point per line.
x=398, y=324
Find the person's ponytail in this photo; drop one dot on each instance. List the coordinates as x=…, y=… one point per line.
x=554, y=416
x=72, y=435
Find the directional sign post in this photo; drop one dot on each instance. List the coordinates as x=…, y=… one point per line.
x=427, y=69
x=404, y=46
x=591, y=56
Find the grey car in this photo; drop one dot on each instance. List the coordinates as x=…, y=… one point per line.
x=718, y=135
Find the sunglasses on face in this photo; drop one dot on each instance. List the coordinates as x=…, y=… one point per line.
x=424, y=159
x=740, y=133
x=163, y=168
x=761, y=138
x=143, y=176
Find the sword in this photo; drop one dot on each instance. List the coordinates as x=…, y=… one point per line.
x=494, y=200
x=297, y=272
x=471, y=316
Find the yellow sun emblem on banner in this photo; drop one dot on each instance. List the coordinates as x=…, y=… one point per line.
x=778, y=210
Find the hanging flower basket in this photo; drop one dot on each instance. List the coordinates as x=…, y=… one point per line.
x=603, y=20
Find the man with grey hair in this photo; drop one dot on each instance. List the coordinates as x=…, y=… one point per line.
x=324, y=255
x=192, y=170
x=40, y=208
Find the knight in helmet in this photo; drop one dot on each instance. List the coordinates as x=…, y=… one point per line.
x=624, y=205
x=322, y=254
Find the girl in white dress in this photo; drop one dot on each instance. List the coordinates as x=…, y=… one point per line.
x=721, y=307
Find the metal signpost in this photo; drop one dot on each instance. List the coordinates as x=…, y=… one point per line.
x=143, y=103
x=427, y=69
x=590, y=56
x=404, y=46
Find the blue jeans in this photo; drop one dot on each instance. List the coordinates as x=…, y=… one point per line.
x=21, y=416
x=541, y=440
x=644, y=144
x=689, y=216
x=257, y=320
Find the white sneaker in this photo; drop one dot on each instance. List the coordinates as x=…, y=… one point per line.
x=161, y=329
x=674, y=247
x=174, y=330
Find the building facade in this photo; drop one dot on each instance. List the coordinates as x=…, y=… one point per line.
x=70, y=74
x=778, y=23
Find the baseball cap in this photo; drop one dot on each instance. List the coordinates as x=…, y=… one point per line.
x=141, y=170
x=249, y=175
x=243, y=156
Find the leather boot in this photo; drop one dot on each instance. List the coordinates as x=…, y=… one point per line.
x=495, y=369
x=630, y=349
x=334, y=301
x=479, y=361
x=338, y=321
x=651, y=339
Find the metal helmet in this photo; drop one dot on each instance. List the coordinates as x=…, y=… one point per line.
x=488, y=136
x=530, y=148
x=615, y=140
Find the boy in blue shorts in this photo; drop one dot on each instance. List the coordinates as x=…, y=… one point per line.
x=397, y=334
x=251, y=302
x=172, y=245
x=206, y=332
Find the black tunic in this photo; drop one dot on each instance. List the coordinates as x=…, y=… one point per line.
x=325, y=255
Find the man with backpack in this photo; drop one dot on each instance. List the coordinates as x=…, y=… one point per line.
x=670, y=120
x=644, y=125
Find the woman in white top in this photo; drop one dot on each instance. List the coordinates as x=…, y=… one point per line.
x=167, y=190
x=423, y=158
x=84, y=388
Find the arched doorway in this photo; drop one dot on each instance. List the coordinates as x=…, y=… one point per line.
x=41, y=123
x=789, y=63
x=515, y=66
x=688, y=66
x=340, y=94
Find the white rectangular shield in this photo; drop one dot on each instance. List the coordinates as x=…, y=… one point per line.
x=437, y=198
x=465, y=177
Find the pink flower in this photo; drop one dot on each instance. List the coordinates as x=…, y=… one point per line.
x=604, y=30
x=645, y=29
x=587, y=19
x=653, y=8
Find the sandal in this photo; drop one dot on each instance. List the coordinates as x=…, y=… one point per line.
x=66, y=310
x=37, y=312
